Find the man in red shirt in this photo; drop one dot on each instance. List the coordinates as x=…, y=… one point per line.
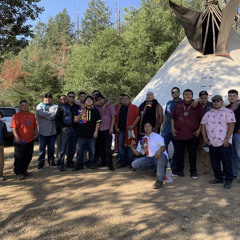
x=25, y=131
x=185, y=123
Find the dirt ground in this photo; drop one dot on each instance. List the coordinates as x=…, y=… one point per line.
x=114, y=205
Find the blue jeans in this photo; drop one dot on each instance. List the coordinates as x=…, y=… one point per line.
x=125, y=153
x=68, y=135
x=236, y=154
x=82, y=143
x=168, y=137
x=218, y=154
x=44, y=141
x=149, y=164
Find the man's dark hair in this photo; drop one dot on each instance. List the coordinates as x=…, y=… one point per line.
x=71, y=93
x=96, y=91
x=233, y=91
x=89, y=97
x=81, y=93
x=99, y=95
x=125, y=95
x=1, y=113
x=122, y=95
x=175, y=88
x=22, y=101
x=63, y=96
x=188, y=90
x=148, y=123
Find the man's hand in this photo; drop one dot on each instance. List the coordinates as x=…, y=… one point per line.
x=110, y=131
x=174, y=132
x=103, y=109
x=197, y=133
x=130, y=127
x=18, y=140
x=95, y=135
x=195, y=103
x=133, y=144
x=117, y=130
x=205, y=140
x=157, y=154
x=226, y=142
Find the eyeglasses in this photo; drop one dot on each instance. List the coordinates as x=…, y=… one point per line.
x=175, y=92
x=216, y=100
x=71, y=96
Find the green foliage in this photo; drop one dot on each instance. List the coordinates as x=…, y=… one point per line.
x=97, y=19
x=13, y=28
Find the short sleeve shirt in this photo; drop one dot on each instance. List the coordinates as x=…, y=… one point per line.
x=25, y=123
x=151, y=144
x=216, y=122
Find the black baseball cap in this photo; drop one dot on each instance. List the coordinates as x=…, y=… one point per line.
x=48, y=95
x=203, y=93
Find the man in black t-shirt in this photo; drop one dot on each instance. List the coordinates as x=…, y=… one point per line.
x=88, y=121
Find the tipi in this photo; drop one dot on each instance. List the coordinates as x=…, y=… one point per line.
x=190, y=66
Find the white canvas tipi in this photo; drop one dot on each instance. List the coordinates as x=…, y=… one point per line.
x=188, y=68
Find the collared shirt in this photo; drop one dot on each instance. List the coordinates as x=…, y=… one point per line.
x=151, y=144
x=216, y=122
x=106, y=116
x=25, y=123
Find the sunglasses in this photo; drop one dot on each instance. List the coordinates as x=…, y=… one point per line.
x=175, y=92
x=216, y=100
x=71, y=96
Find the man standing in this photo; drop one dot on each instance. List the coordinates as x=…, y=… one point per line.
x=152, y=151
x=203, y=98
x=106, y=131
x=150, y=111
x=65, y=116
x=217, y=129
x=46, y=113
x=81, y=98
x=25, y=131
x=126, y=130
x=166, y=126
x=185, y=123
x=235, y=107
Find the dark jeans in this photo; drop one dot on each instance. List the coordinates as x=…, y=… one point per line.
x=48, y=141
x=82, y=143
x=218, y=154
x=180, y=150
x=168, y=137
x=67, y=136
x=104, y=147
x=22, y=157
x=125, y=153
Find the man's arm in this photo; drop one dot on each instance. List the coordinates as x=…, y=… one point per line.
x=159, y=117
x=158, y=152
x=164, y=122
x=133, y=147
x=131, y=127
x=15, y=133
x=229, y=134
x=204, y=133
x=35, y=133
x=44, y=114
x=112, y=125
x=174, y=131
x=95, y=135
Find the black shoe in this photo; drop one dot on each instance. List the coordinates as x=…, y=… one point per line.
x=121, y=166
x=227, y=185
x=61, y=169
x=71, y=165
x=157, y=184
x=194, y=176
x=111, y=168
x=52, y=163
x=180, y=174
x=20, y=177
x=77, y=169
x=93, y=167
x=27, y=174
x=40, y=165
x=215, y=181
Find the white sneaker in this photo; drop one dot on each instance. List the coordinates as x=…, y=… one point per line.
x=2, y=178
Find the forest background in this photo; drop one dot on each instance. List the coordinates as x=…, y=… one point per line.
x=93, y=53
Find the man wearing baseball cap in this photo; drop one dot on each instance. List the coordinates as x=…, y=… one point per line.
x=46, y=113
x=203, y=99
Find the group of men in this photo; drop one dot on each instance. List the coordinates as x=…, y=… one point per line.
x=87, y=125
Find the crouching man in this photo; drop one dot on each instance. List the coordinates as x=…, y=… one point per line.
x=152, y=154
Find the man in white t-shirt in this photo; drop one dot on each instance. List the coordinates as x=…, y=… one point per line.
x=152, y=154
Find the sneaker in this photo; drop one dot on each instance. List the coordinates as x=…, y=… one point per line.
x=157, y=184
x=111, y=168
x=40, y=165
x=180, y=174
x=2, y=178
x=61, y=168
x=52, y=163
x=20, y=177
x=194, y=176
x=227, y=185
x=77, y=169
x=215, y=181
x=27, y=174
x=70, y=165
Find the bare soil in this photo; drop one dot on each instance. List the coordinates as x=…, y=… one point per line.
x=114, y=205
